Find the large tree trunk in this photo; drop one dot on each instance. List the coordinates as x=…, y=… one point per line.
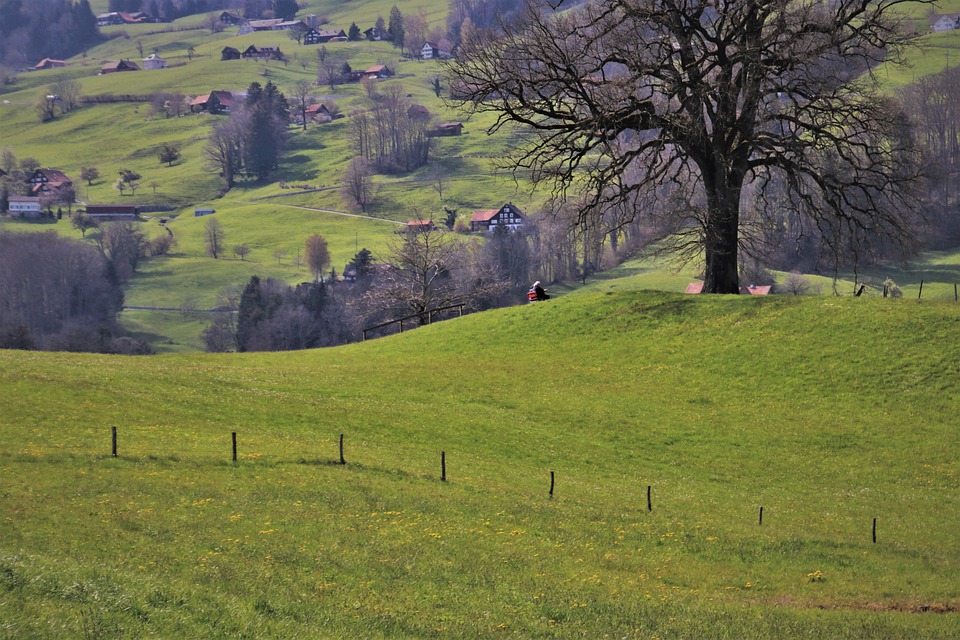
x=722, y=226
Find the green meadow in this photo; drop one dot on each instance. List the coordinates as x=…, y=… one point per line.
x=829, y=413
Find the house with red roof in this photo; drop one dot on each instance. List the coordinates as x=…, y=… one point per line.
x=49, y=63
x=116, y=67
x=215, y=102
x=49, y=181
x=508, y=216
x=421, y=226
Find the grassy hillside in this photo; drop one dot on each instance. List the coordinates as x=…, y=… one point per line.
x=826, y=412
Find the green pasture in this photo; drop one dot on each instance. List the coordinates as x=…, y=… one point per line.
x=827, y=412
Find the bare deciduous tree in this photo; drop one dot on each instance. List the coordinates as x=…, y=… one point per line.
x=213, y=236
x=317, y=255
x=632, y=97
x=357, y=185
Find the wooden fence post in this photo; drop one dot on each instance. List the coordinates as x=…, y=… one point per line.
x=342, y=460
x=551, y=484
x=761, y=516
x=649, y=503
x=443, y=466
x=874, y=531
x=114, y=432
x=234, y=437
x=920, y=295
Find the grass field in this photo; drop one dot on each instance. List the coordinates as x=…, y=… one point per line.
x=826, y=412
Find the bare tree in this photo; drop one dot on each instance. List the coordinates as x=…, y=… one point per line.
x=438, y=179
x=213, y=236
x=302, y=98
x=357, y=185
x=631, y=97
x=317, y=255
x=242, y=251
x=223, y=150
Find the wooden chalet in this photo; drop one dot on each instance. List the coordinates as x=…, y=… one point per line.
x=377, y=71
x=116, y=67
x=254, y=52
x=47, y=181
x=230, y=53
x=321, y=36
x=231, y=18
x=318, y=113
x=508, y=216
x=215, y=102
x=373, y=34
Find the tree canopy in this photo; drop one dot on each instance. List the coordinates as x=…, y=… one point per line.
x=700, y=102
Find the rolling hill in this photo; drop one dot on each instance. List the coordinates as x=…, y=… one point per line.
x=835, y=415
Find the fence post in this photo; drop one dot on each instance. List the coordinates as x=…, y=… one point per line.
x=955, y=298
x=443, y=466
x=649, y=503
x=551, y=484
x=874, y=531
x=920, y=295
x=114, y=432
x=234, y=437
x=761, y=516
x=342, y=460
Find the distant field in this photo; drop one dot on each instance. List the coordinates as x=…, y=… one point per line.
x=827, y=412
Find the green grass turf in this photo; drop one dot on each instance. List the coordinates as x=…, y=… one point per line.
x=827, y=412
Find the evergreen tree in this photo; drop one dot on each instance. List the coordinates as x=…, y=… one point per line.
x=353, y=34
x=395, y=27
x=252, y=310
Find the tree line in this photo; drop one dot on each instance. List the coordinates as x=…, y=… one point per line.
x=59, y=294
x=31, y=31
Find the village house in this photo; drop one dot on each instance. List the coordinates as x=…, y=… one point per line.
x=49, y=63
x=254, y=52
x=116, y=67
x=233, y=19
x=318, y=113
x=321, y=36
x=49, y=181
x=432, y=51
x=107, y=212
x=153, y=61
x=230, y=53
x=944, y=22
x=373, y=34
x=377, y=71
x=215, y=102
x=418, y=112
x=508, y=216
x=24, y=206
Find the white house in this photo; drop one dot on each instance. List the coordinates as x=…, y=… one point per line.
x=944, y=22
x=153, y=61
x=430, y=51
x=24, y=206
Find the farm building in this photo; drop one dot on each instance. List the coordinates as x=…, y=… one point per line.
x=104, y=212
x=116, y=67
x=508, y=216
x=24, y=206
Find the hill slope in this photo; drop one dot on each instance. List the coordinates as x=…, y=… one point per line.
x=827, y=412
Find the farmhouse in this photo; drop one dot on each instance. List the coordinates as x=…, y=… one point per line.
x=231, y=18
x=104, y=212
x=318, y=113
x=49, y=63
x=120, y=17
x=418, y=112
x=262, y=25
x=508, y=216
x=230, y=53
x=116, y=67
x=24, y=206
x=373, y=34
x=254, y=52
x=215, y=102
x=153, y=61
x=320, y=36
x=944, y=22
x=431, y=51
x=44, y=181
x=377, y=71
